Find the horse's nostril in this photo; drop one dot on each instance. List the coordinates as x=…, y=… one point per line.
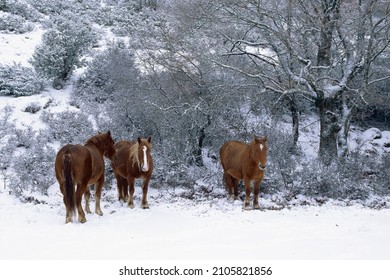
x=262, y=167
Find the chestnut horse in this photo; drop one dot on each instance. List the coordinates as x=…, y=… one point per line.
x=84, y=166
x=133, y=160
x=241, y=161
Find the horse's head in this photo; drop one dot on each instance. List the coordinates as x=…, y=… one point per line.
x=108, y=144
x=258, y=150
x=144, y=153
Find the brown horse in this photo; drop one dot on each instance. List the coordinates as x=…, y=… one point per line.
x=241, y=161
x=84, y=166
x=133, y=160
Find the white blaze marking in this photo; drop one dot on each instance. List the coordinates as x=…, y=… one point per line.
x=261, y=147
x=145, y=167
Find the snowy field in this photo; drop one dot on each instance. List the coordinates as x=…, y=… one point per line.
x=174, y=228
x=177, y=228
x=343, y=241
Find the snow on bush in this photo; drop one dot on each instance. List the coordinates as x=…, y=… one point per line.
x=18, y=81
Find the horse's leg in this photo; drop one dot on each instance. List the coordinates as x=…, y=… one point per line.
x=79, y=196
x=119, y=185
x=69, y=215
x=98, y=194
x=247, y=202
x=125, y=190
x=256, y=189
x=144, y=203
x=235, y=185
x=87, y=196
x=229, y=185
x=130, y=181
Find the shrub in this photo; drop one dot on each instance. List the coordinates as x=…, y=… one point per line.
x=21, y=8
x=68, y=127
x=62, y=47
x=18, y=80
x=33, y=168
x=33, y=108
x=14, y=24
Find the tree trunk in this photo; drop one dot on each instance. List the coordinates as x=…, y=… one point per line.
x=295, y=121
x=202, y=136
x=329, y=129
x=344, y=128
x=329, y=118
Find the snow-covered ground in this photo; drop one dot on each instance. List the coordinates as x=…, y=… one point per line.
x=175, y=228
x=19, y=48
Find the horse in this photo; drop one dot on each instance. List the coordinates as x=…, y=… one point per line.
x=241, y=161
x=133, y=160
x=83, y=165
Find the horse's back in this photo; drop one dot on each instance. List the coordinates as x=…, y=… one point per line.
x=78, y=151
x=122, y=149
x=123, y=145
x=121, y=157
x=231, y=149
x=79, y=156
x=230, y=154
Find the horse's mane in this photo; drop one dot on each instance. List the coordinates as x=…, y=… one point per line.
x=134, y=154
x=95, y=140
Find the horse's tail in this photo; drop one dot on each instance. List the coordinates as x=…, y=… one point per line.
x=224, y=181
x=70, y=203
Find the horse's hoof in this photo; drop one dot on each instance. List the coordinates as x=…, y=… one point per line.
x=68, y=220
x=247, y=208
x=146, y=206
x=83, y=220
x=131, y=206
x=231, y=198
x=100, y=213
x=256, y=207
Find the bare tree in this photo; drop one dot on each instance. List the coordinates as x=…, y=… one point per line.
x=323, y=51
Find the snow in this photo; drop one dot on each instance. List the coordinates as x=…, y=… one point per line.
x=178, y=228
x=175, y=228
x=19, y=48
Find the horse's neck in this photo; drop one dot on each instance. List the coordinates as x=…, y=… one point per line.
x=93, y=148
x=247, y=153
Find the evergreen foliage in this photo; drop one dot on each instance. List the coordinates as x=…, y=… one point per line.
x=33, y=169
x=62, y=48
x=18, y=80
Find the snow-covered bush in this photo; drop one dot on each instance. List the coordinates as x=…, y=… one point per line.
x=62, y=48
x=21, y=8
x=22, y=138
x=130, y=16
x=345, y=178
x=18, y=80
x=282, y=160
x=33, y=169
x=106, y=73
x=68, y=127
x=6, y=149
x=33, y=108
x=14, y=23
x=381, y=177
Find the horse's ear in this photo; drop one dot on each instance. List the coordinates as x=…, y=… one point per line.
x=150, y=139
x=139, y=140
x=265, y=138
x=109, y=133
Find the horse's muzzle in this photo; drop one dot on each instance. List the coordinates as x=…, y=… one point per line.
x=145, y=168
x=262, y=167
